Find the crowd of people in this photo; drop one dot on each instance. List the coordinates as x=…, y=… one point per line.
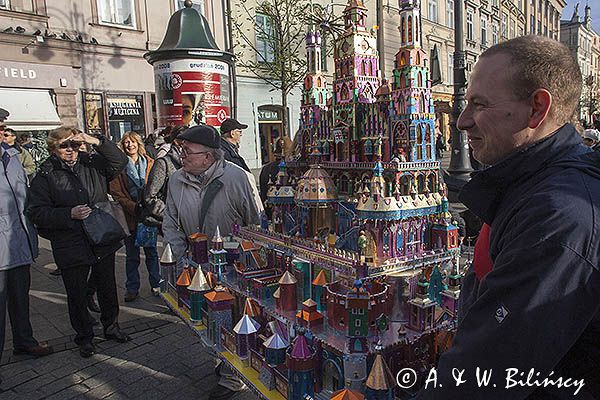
x=531, y=298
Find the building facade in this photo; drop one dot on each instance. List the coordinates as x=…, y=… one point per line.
x=579, y=36
x=81, y=62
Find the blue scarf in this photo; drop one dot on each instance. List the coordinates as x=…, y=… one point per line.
x=136, y=172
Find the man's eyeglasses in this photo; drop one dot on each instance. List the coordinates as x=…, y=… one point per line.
x=185, y=152
x=9, y=134
x=70, y=144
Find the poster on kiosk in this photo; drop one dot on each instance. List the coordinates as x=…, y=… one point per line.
x=192, y=92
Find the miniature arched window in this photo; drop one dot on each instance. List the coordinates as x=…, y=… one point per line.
x=418, y=59
x=419, y=79
x=402, y=59
x=428, y=133
x=424, y=109
x=416, y=29
x=419, y=152
x=326, y=148
x=432, y=182
x=345, y=93
x=402, y=81
x=403, y=31
x=411, y=234
x=428, y=151
x=368, y=147
x=419, y=134
x=319, y=82
x=420, y=182
x=386, y=239
x=344, y=184
x=357, y=344
x=405, y=185
x=410, y=36
x=320, y=98
x=424, y=234
x=399, y=242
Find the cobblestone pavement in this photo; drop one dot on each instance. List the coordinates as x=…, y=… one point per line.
x=165, y=360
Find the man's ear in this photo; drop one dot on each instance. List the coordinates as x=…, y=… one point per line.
x=541, y=101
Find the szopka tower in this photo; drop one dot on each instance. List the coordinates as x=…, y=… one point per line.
x=356, y=78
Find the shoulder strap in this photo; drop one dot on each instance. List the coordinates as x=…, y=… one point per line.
x=211, y=191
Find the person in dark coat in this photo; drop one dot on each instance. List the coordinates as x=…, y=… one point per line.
x=268, y=173
x=151, y=150
x=231, y=136
x=530, y=302
x=61, y=195
x=155, y=191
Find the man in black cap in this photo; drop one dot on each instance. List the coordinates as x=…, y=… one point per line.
x=207, y=193
x=231, y=135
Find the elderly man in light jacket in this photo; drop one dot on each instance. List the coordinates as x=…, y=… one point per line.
x=18, y=248
x=206, y=193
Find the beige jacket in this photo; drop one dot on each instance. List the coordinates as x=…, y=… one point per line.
x=237, y=202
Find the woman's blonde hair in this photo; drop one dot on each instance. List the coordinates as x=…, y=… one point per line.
x=59, y=134
x=136, y=138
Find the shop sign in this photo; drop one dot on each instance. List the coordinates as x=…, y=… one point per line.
x=268, y=115
x=122, y=106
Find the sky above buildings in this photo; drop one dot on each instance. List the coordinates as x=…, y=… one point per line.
x=595, y=6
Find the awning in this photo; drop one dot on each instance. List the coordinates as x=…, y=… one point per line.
x=30, y=110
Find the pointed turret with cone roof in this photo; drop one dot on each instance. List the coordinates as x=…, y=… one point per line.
x=301, y=363
x=167, y=257
x=380, y=382
x=287, y=287
x=217, y=240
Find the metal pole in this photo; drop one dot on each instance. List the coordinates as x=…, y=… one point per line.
x=380, y=38
x=460, y=165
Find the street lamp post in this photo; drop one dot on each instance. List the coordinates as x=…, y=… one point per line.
x=460, y=168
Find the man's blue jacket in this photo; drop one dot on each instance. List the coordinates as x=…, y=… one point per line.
x=539, y=307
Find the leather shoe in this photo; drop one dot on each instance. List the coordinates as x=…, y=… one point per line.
x=115, y=333
x=92, y=305
x=86, y=350
x=130, y=296
x=40, y=350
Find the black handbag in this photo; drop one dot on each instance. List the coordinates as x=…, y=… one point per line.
x=106, y=224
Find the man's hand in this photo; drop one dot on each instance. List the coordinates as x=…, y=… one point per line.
x=81, y=212
x=84, y=137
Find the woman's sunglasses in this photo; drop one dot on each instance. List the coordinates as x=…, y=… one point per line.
x=70, y=143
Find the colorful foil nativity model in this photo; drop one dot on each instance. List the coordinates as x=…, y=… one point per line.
x=355, y=277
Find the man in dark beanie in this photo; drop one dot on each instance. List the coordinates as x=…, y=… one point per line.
x=231, y=136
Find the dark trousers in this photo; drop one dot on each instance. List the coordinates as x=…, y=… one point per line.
x=14, y=295
x=75, y=280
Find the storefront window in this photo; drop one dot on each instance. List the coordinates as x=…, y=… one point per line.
x=94, y=113
x=125, y=113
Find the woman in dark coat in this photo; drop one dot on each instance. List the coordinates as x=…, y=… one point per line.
x=61, y=194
